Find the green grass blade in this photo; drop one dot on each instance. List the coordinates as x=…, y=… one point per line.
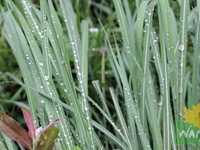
x=122, y=120
x=98, y=89
x=182, y=51
x=75, y=45
x=84, y=54
x=12, y=31
x=195, y=76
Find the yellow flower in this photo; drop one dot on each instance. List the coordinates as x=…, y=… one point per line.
x=192, y=116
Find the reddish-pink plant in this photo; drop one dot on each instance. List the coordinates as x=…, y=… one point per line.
x=28, y=139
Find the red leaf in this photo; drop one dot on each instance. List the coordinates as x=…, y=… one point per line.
x=29, y=122
x=14, y=131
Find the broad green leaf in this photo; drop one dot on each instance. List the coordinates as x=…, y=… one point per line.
x=14, y=131
x=47, y=139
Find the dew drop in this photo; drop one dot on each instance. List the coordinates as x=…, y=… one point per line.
x=42, y=142
x=180, y=90
x=86, y=108
x=42, y=101
x=41, y=64
x=155, y=41
x=73, y=42
x=55, y=140
x=66, y=20
x=181, y=47
x=46, y=77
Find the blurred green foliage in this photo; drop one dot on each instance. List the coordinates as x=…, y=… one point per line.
x=91, y=10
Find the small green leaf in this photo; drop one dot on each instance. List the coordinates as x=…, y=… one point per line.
x=47, y=139
x=76, y=148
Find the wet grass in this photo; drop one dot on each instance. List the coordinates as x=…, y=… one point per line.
x=120, y=88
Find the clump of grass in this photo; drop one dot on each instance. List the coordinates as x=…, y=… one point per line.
x=152, y=84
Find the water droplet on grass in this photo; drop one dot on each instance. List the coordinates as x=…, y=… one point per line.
x=42, y=101
x=41, y=64
x=46, y=77
x=86, y=108
x=160, y=103
x=181, y=47
x=180, y=90
x=73, y=42
x=155, y=41
x=65, y=20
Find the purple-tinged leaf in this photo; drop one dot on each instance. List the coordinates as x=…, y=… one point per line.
x=14, y=131
x=52, y=124
x=38, y=130
x=29, y=122
x=47, y=139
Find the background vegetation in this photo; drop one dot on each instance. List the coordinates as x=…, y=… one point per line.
x=121, y=87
